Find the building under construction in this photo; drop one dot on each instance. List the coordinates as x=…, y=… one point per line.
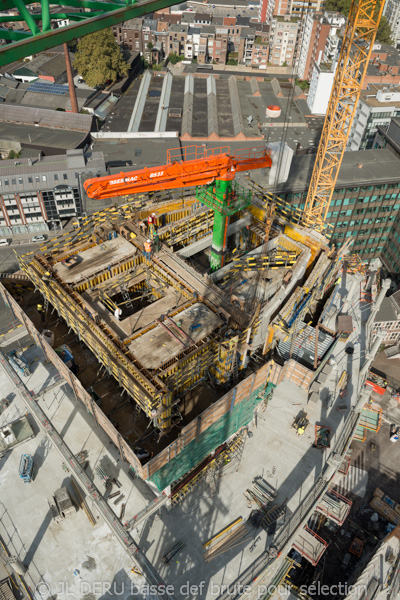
x=186, y=355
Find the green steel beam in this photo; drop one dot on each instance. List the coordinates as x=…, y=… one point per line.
x=4, y=4
x=32, y=44
x=77, y=16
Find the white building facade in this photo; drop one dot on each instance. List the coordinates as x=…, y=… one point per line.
x=320, y=89
x=376, y=108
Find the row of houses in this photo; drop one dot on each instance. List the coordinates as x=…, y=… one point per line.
x=244, y=40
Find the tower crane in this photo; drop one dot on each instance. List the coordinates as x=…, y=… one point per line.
x=358, y=40
x=190, y=166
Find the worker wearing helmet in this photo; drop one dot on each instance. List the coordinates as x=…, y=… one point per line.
x=147, y=249
x=151, y=222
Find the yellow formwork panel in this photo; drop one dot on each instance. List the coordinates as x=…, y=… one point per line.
x=259, y=213
x=304, y=239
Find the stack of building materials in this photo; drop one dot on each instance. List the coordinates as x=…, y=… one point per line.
x=233, y=535
x=386, y=507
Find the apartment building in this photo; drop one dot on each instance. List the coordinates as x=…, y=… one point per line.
x=37, y=194
x=177, y=39
x=392, y=13
x=320, y=87
x=283, y=38
x=246, y=45
x=280, y=8
x=375, y=109
x=218, y=47
x=314, y=35
x=260, y=53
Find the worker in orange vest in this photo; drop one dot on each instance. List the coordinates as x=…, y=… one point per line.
x=147, y=249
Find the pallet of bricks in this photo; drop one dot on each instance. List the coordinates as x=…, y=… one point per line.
x=386, y=507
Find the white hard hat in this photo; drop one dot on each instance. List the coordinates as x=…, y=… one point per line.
x=148, y=240
x=153, y=214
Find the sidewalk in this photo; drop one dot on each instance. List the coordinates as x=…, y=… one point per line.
x=25, y=238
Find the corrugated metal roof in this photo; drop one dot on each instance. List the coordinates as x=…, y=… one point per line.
x=45, y=117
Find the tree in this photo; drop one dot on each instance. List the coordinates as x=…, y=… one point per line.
x=384, y=33
x=99, y=59
x=173, y=59
x=150, y=46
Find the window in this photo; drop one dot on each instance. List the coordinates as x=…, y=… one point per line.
x=55, y=177
x=30, y=180
x=44, y=178
x=37, y=179
x=6, y=182
x=14, y=181
x=65, y=177
x=19, y=179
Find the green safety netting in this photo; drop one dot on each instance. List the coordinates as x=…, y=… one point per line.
x=209, y=440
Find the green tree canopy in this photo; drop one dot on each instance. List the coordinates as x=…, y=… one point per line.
x=384, y=34
x=99, y=59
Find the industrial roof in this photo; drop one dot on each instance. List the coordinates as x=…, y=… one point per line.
x=365, y=165
x=71, y=160
x=24, y=115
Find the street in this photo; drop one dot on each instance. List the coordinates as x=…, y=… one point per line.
x=8, y=260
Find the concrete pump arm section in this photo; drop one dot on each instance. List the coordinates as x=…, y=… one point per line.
x=188, y=167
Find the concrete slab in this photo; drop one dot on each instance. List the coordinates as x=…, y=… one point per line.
x=355, y=481
x=97, y=258
x=158, y=345
x=50, y=551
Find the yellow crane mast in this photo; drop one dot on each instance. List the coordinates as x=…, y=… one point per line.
x=358, y=40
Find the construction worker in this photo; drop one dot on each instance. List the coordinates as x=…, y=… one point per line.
x=147, y=249
x=151, y=223
x=118, y=313
x=246, y=236
x=156, y=241
x=40, y=309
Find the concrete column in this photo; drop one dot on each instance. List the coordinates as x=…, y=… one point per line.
x=72, y=92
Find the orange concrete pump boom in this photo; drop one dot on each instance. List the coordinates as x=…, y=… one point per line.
x=186, y=167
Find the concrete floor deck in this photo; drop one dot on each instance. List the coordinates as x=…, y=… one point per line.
x=109, y=252
x=158, y=345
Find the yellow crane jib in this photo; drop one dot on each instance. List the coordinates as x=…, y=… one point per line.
x=358, y=40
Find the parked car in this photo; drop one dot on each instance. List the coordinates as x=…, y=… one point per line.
x=4, y=242
x=38, y=238
x=80, y=80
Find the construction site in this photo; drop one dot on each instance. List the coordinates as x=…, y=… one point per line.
x=201, y=365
